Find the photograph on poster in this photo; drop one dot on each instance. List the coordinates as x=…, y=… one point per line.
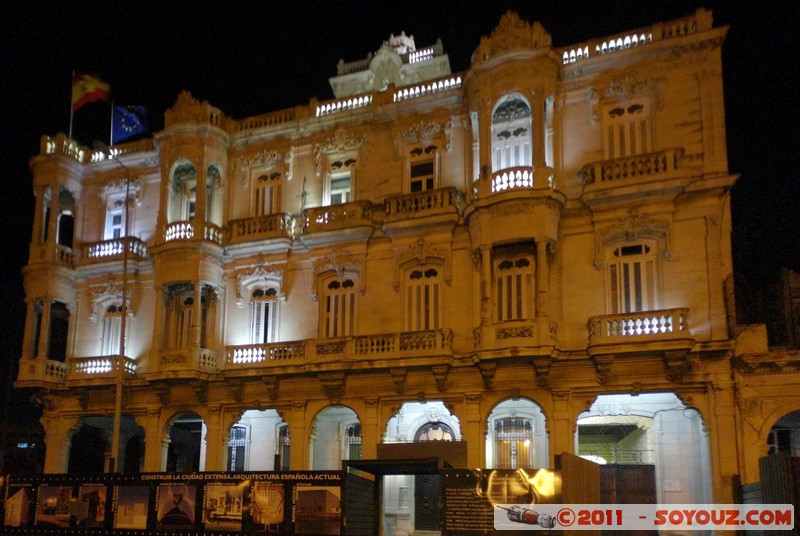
x=267, y=506
x=176, y=503
x=131, y=511
x=52, y=506
x=318, y=510
x=17, y=506
x=91, y=511
x=223, y=506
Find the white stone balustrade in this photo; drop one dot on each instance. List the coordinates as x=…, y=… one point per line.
x=99, y=367
x=340, y=105
x=113, y=249
x=658, y=325
x=427, y=88
x=512, y=179
x=420, y=204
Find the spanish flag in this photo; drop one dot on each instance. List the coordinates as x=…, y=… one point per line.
x=88, y=88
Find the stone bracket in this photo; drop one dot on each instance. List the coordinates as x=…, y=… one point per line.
x=333, y=385
x=271, y=382
x=488, y=369
x=200, y=388
x=603, y=365
x=236, y=387
x=162, y=389
x=399, y=376
x=542, y=366
x=677, y=364
x=440, y=377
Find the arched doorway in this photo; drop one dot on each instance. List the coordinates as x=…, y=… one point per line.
x=258, y=441
x=784, y=436
x=186, y=451
x=335, y=436
x=411, y=504
x=650, y=438
x=88, y=450
x=516, y=436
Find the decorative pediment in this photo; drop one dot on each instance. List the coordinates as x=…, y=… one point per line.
x=626, y=85
x=342, y=142
x=110, y=294
x=512, y=32
x=117, y=186
x=262, y=274
x=632, y=226
x=421, y=252
x=265, y=159
x=339, y=261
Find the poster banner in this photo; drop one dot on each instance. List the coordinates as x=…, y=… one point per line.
x=289, y=503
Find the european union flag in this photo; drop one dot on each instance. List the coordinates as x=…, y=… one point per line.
x=127, y=121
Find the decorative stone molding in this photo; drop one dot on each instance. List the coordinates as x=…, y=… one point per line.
x=603, y=365
x=118, y=186
x=162, y=389
x=271, y=383
x=512, y=32
x=200, y=388
x=111, y=293
x=625, y=86
x=399, y=376
x=263, y=273
x=341, y=142
x=487, y=369
x=421, y=252
x=333, y=386
x=541, y=365
x=677, y=365
x=632, y=226
x=339, y=261
x=440, y=376
x=236, y=388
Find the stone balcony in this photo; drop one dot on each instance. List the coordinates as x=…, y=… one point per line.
x=337, y=222
x=650, y=174
x=41, y=373
x=423, y=208
x=360, y=352
x=54, y=253
x=101, y=369
x=514, y=179
x=187, y=360
x=260, y=228
x=185, y=230
x=113, y=250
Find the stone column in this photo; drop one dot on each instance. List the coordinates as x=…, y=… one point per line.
x=58, y=432
x=537, y=143
x=216, y=438
x=44, y=330
x=298, y=459
x=153, y=441
x=561, y=424
x=28, y=351
x=370, y=429
x=472, y=430
x=197, y=312
x=723, y=442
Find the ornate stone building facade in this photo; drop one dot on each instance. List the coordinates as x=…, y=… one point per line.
x=531, y=257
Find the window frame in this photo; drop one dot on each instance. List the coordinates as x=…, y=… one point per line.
x=625, y=296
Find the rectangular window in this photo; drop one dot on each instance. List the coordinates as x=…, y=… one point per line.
x=423, y=299
x=632, y=279
x=339, y=308
x=340, y=188
x=513, y=278
x=263, y=321
x=266, y=194
x=112, y=325
x=422, y=176
x=627, y=129
x=115, y=224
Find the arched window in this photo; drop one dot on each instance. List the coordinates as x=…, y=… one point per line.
x=632, y=277
x=434, y=431
x=423, y=298
x=512, y=134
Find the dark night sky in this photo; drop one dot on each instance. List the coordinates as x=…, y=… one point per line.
x=249, y=58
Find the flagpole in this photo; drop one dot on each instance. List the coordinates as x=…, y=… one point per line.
x=111, y=138
x=71, y=111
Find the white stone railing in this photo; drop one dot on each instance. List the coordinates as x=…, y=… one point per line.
x=61, y=144
x=700, y=21
x=101, y=366
x=427, y=88
x=512, y=179
x=266, y=120
x=213, y=233
x=180, y=359
x=340, y=105
x=258, y=353
x=638, y=168
x=179, y=230
x=279, y=225
x=113, y=249
x=420, y=204
x=420, y=55
x=641, y=326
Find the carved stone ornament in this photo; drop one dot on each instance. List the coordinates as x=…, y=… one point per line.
x=630, y=227
x=333, y=386
x=111, y=293
x=422, y=131
x=626, y=86
x=263, y=273
x=440, y=376
x=339, y=261
x=118, y=186
x=271, y=383
x=488, y=369
x=341, y=142
x=512, y=32
x=399, y=376
x=421, y=252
